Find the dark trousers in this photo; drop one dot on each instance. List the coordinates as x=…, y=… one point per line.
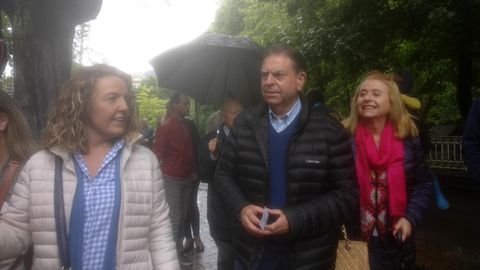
x=226, y=255
x=177, y=193
x=274, y=257
x=192, y=223
x=389, y=254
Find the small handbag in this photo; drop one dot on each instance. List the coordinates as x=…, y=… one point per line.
x=351, y=255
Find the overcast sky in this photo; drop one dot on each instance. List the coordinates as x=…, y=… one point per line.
x=128, y=33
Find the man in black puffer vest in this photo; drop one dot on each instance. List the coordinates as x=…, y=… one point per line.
x=294, y=163
x=219, y=221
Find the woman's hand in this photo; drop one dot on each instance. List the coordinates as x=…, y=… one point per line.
x=403, y=227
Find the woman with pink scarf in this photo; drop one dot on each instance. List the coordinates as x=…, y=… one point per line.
x=394, y=181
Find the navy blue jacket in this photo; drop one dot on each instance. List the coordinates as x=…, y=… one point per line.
x=471, y=141
x=418, y=179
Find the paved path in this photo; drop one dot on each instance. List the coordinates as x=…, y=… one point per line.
x=450, y=239
x=206, y=260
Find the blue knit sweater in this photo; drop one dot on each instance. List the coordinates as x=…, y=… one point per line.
x=277, y=162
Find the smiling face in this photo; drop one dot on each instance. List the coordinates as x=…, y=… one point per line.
x=108, y=109
x=281, y=84
x=373, y=100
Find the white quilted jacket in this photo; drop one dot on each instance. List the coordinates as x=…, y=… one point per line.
x=145, y=239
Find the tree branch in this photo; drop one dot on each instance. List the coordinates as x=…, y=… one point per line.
x=84, y=10
x=58, y=15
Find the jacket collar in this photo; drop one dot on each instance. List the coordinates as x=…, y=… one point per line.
x=257, y=119
x=68, y=157
x=258, y=115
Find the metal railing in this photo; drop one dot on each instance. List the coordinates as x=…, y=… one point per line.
x=446, y=153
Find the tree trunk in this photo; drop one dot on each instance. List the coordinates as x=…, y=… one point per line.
x=42, y=64
x=42, y=44
x=464, y=57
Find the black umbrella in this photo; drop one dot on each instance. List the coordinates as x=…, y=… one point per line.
x=213, y=68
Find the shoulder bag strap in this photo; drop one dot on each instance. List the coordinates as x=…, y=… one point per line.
x=60, y=221
x=8, y=179
x=345, y=236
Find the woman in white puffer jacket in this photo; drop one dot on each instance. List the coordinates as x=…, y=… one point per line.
x=115, y=209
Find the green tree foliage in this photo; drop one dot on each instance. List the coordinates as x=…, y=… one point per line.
x=6, y=36
x=229, y=19
x=201, y=116
x=6, y=84
x=80, y=48
x=151, y=100
x=436, y=41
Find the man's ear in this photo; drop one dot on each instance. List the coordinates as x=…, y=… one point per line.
x=3, y=121
x=301, y=79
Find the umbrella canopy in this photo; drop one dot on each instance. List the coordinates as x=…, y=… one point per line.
x=213, y=68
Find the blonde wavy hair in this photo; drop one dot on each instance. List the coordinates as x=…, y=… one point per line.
x=399, y=116
x=68, y=118
x=18, y=135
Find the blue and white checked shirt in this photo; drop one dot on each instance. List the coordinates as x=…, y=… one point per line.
x=280, y=123
x=99, y=201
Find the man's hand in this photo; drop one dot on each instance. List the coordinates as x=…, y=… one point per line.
x=403, y=227
x=280, y=226
x=212, y=146
x=250, y=218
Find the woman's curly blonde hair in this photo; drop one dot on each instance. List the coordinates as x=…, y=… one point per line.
x=67, y=120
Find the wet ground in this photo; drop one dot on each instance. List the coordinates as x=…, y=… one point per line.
x=208, y=258
x=448, y=239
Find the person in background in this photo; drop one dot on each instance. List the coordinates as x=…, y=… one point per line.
x=405, y=83
x=16, y=146
x=394, y=181
x=113, y=192
x=315, y=99
x=174, y=148
x=192, y=223
x=291, y=165
x=471, y=142
x=219, y=220
x=148, y=133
